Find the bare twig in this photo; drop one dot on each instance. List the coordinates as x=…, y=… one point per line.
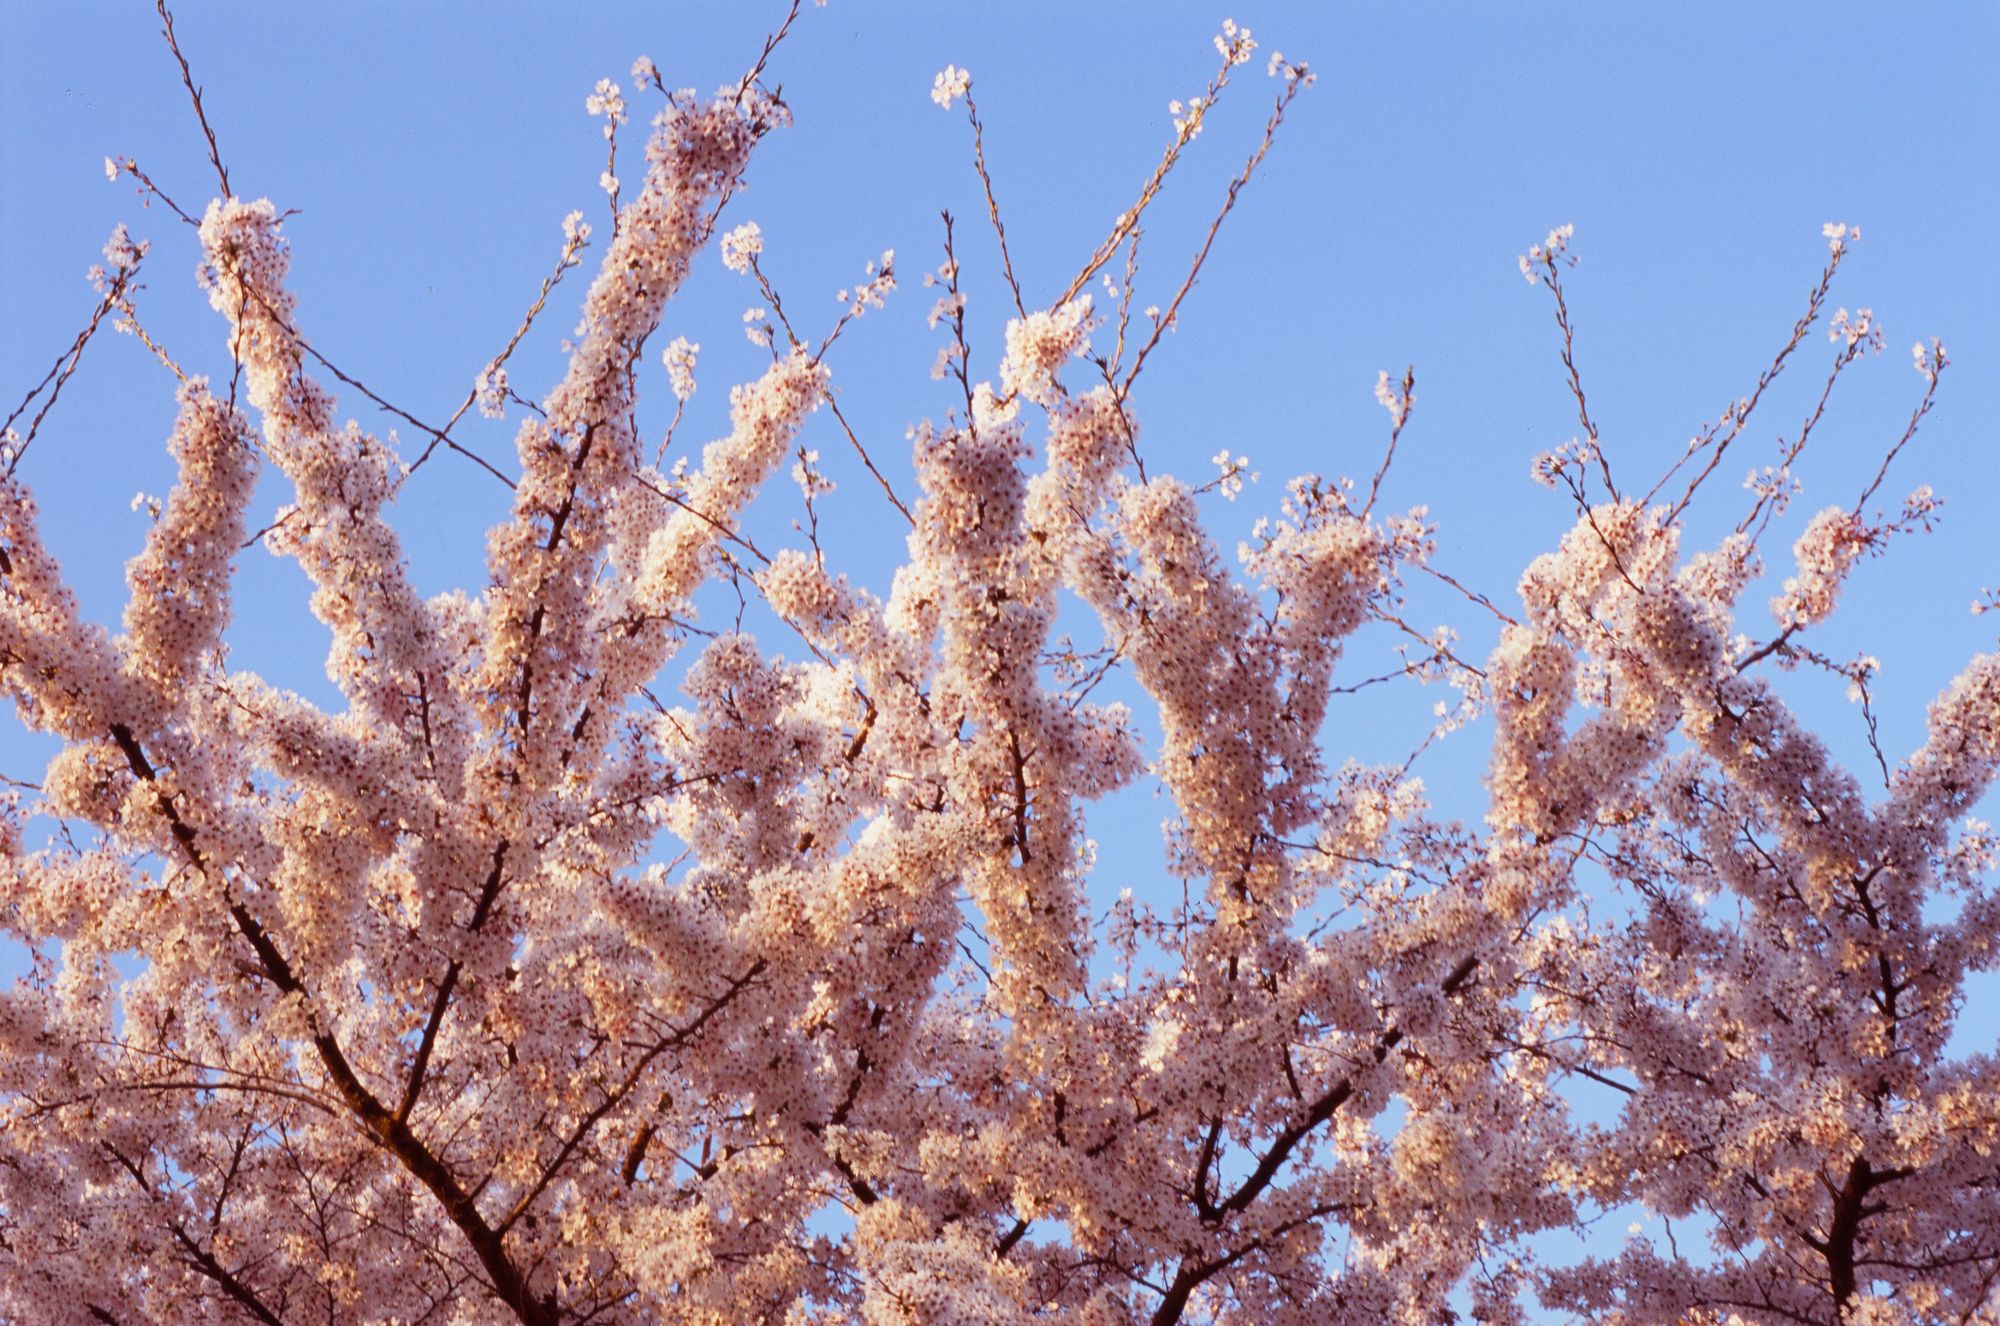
x=869, y=461
x=771, y=44
x=131, y=167
x=1400, y=415
x=438, y=434
x=992, y=204
x=1768, y=502
x=572, y=245
x=1128, y=220
x=1738, y=414
x=194, y=95
x=1166, y=320
x=1553, y=265
x=65, y=365
x=1938, y=363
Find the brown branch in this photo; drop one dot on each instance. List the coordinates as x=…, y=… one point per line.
x=1008, y=1240
x=205, y=1262
x=389, y=1131
x=635, y=1155
x=1193, y=1270
x=428, y=1041
x=394, y=1135
x=198, y=1257
x=557, y=520
x=1019, y=765
x=1192, y=1273
x=1323, y=1109
x=1850, y=1208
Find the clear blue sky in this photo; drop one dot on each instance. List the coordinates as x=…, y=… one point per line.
x=432, y=151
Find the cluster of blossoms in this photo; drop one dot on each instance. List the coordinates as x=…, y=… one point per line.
x=679, y=360
x=1550, y=253
x=1397, y=399
x=1929, y=360
x=1187, y=116
x=608, y=101
x=1233, y=43
x=1548, y=467
x=949, y=305
x=873, y=292
x=427, y=1028
x=1826, y=552
x=951, y=84
x=1230, y=481
x=1040, y=344
x=490, y=389
x=1855, y=330
x=122, y=256
x=741, y=246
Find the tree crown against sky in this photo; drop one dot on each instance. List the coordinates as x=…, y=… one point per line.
x=501, y=982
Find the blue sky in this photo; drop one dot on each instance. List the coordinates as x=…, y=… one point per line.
x=433, y=150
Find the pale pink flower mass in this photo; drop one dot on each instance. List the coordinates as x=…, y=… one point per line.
x=677, y=928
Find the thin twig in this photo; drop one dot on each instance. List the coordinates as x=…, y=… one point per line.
x=1471, y=594
x=439, y=434
x=65, y=365
x=1128, y=220
x=194, y=95
x=771, y=44
x=1768, y=503
x=1738, y=413
x=571, y=247
x=1400, y=417
x=992, y=204
x=1938, y=364
x=1166, y=320
x=862, y=451
x=1563, y=323
x=131, y=167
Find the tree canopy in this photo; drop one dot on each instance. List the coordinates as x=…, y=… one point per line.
x=513, y=989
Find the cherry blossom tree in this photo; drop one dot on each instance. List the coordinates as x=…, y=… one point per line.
x=510, y=991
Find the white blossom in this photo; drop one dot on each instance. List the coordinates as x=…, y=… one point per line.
x=950, y=84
